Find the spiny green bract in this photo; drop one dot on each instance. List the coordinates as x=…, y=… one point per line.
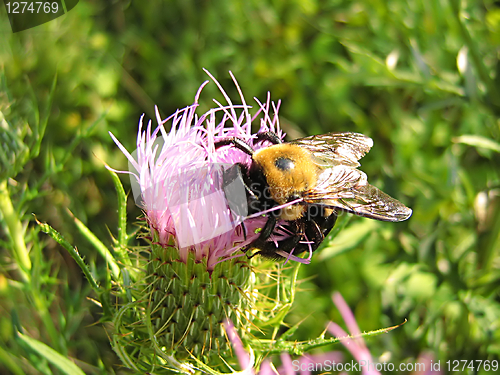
x=190, y=304
x=180, y=309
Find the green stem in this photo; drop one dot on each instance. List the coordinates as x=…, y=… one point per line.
x=299, y=348
x=16, y=232
x=40, y=304
x=488, y=252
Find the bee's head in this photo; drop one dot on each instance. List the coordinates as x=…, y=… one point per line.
x=288, y=169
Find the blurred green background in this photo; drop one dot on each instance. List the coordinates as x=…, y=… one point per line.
x=419, y=77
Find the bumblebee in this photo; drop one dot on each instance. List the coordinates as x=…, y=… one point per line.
x=304, y=184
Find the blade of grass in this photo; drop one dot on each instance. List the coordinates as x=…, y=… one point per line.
x=39, y=128
x=8, y=361
x=16, y=232
x=477, y=58
x=58, y=360
x=478, y=141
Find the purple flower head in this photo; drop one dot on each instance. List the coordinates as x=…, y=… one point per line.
x=180, y=179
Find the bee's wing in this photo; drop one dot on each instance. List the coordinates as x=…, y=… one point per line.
x=346, y=188
x=336, y=148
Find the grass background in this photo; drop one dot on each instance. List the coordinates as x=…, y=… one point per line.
x=418, y=77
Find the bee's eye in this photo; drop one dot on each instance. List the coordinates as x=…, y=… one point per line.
x=284, y=164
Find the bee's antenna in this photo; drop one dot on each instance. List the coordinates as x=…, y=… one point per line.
x=269, y=136
x=236, y=142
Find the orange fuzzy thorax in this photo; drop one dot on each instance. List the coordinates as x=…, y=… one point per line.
x=283, y=183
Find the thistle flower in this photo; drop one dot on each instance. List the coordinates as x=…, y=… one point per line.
x=177, y=177
x=194, y=277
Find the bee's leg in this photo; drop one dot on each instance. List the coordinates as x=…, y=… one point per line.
x=313, y=230
x=236, y=142
x=269, y=249
x=292, y=243
x=265, y=248
x=328, y=224
x=244, y=230
x=315, y=234
x=319, y=228
x=268, y=229
x=269, y=136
